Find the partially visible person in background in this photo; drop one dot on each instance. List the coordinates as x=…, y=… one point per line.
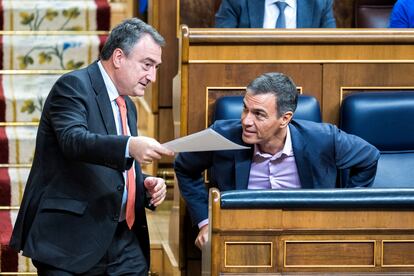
x=143, y=10
x=275, y=14
x=402, y=15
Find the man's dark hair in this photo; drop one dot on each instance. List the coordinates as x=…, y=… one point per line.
x=126, y=35
x=281, y=86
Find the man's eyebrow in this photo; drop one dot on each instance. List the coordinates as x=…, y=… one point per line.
x=255, y=109
x=152, y=61
x=260, y=110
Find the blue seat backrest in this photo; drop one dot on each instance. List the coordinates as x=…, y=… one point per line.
x=231, y=107
x=385, y=119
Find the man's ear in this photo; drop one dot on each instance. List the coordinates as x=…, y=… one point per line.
x=286, y=118
x=117, y=57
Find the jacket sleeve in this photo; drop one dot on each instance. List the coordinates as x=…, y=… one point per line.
x=227, y=15
x=67, y=109
x=189, y=168
x=356, y=155
x=399, y=17
x=327, y=17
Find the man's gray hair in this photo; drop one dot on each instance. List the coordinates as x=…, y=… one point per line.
x=126, y=35
x=281, y=86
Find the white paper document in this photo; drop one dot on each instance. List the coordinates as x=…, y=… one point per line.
x=205, y=140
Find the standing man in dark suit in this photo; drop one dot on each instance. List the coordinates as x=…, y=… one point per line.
x=284, y=153
x=275, y=14
x=83, y=206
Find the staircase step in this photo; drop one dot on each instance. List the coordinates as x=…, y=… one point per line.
x=10, y=261
x=59, y=15
x=50, y=51
x=24, y=95
x=20, y=142
x=12, y=184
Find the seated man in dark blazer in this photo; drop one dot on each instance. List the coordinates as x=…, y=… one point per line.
x=283, y=154
x=273, y=14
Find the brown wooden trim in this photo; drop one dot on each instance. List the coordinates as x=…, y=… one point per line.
x=301, y=36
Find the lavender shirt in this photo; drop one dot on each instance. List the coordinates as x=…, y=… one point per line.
x=277, y=171
x=272, y=172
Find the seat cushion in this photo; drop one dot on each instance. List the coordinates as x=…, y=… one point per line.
x=231, y=107
x=385, y=119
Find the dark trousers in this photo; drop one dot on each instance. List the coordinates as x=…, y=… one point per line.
x=124, y=257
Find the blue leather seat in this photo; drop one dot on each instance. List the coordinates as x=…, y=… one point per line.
x=318, y=198
x=385, y=119
x=230, y=107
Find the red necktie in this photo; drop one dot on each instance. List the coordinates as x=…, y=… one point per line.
x=130, y=206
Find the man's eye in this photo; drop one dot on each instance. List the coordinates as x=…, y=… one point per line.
x=259, y=115
x=147, y=66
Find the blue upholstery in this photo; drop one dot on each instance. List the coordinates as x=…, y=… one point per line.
x=385, y=119
x=318, y=198
x=230, y=107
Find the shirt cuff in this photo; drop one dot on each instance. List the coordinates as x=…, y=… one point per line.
x=127, y=148
x=202, y=223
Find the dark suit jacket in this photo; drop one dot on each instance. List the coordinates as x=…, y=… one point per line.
x=72, y=200
x=319, y=149
x=250, y=14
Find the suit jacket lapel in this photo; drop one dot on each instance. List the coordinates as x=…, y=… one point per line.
x=102, y=98
x=301, y=158
x=242, y=160
x=304, y=13
x=256, y=13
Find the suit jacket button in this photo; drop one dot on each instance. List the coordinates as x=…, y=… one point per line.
x=116, y=217
x=120, y=188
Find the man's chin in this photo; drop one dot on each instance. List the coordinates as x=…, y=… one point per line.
x=248, y=140
x=139, y=93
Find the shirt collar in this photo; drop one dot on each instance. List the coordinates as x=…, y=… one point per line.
x=291, y=3
x=287, y=148
x=110, y=86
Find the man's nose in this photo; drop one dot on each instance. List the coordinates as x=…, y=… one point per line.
x=152, y=74
x=246, y=119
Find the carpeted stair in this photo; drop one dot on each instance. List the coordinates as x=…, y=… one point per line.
x=40, y=40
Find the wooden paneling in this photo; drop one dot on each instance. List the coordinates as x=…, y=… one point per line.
x=165, y=131
x=165, y=118
x=248, y=254
x=156, y=260
x=158, y=12
x=398, y=253
x=197, y=13
x=163, y=16
x=159, y=95
x=340, y=253
x=317, y=219
x=121, y=10
x=344, y=13
x=371, y=75
x=357, y=241
x=204, y=76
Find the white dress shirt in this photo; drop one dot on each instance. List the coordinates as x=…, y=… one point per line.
x=271, y=13
x=113, y=94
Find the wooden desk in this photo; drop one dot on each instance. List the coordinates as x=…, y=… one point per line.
x=322, y=240
x=326, y=63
